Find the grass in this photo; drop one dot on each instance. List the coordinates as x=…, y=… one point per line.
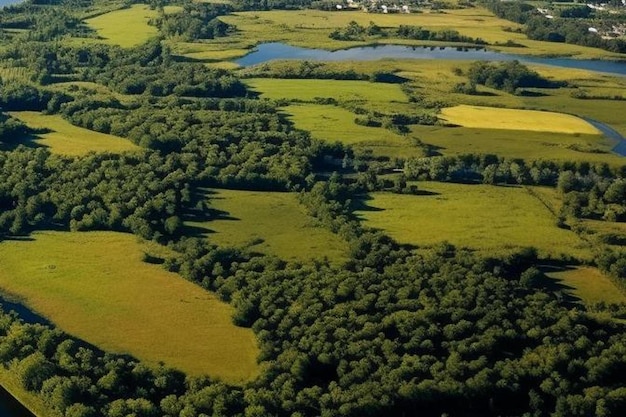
x=487, y=218
x=126, y=27
x=332, y=123
x=96, y=287
x=515, y=119
x=340, y=90
x=589, y=284
x=64, y=138
x=20, y=74
x=268, y=222
x=9, y=380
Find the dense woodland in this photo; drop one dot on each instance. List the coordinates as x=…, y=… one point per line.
x=390, y=332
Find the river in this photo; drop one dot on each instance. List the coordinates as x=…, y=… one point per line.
x=271, y=51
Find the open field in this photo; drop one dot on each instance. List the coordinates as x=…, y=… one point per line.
x=96, y=287
x=481, y=217
x=64, y=138
x=514, y=119
x=589, y=284
x=332, y=123
x=268, y=222
x=125, y=27
x=340, y=90
x=10, y=381
x=310, y=28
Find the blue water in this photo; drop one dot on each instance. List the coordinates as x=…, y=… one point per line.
x=610, y=133
x=9, y=2
x=272, y=51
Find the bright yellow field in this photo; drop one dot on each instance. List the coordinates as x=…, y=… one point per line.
x=96, y=287
x=66, y=139
x=269, y=222
x=513, y=119
x=340, y=90
x=125, y=27
x=590, y=285
x=482, y=217
x=332, y=123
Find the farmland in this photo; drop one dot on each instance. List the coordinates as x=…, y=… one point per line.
x=272, y=223
x=125, y=27
x=486, y=218
x=96, y=287
x=66, y=139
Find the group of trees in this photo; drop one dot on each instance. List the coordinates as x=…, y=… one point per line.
x=196, y=21
x=355, y=32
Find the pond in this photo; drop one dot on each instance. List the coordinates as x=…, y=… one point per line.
x=272, y=51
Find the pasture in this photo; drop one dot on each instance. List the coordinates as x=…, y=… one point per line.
x=332, y=123
x=64, y=138
x=514, y=119
x=482, y=217
x=125, y=27
x=340, y=90
x=96, y=287
x=268, y=222
x=588, y=284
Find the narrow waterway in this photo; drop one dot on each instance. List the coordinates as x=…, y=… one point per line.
x=610, y=133
x=272, y=51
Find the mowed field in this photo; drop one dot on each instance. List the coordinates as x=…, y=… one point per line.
x=126, y=27
x=515, y=119
x=589, y=284
x=64, y=138
x=340, y=90
x=335, y=124
x=487, y=218
x=95, y=286
x=269, y=222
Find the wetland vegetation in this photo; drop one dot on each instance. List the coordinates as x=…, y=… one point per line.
x=308, y=238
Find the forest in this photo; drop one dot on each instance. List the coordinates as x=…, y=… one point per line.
x=393, y=330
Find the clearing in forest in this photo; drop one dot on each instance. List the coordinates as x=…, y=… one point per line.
x=64, y=138
x=514, y=119
x=589, y=284
x=126, y=27
x=483, y=217
x=95, y=286
x=269, y=222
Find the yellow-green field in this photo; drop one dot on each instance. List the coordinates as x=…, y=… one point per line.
x=311, y=28
x=96, y=287
x=269, y=222
x=125, y=27
x=10, y=381
x=514, y=119
x=590, y=285
x=340, y=90
x=66, y=139
x=332, y=123
x=483, y=217
x=8, y=74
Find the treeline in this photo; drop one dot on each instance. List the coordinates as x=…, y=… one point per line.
x=508, y=76
x=196, y=21
x=142, y=193
x=355, y=32
x=11, y=129
x=564, y=29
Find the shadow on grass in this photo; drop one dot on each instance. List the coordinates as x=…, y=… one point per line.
x=556, y=285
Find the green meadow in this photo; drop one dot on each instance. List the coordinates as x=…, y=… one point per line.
x=340, y=90
x=125, y=27
x=95, y=286
x=332, y=124
x=482, y=217
x=268, y=222
x=589, y=285
x=64, y=138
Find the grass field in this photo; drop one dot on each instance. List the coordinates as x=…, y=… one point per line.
x=8, y=74
x=10, y=381
x=332, y=123
x=268, y=222
x=311, y=28
x=125, y=27
x=589, y=284
x=66, y=139
x=487, y=218
x=514, y=119
x=340, y=90
x=96, y=287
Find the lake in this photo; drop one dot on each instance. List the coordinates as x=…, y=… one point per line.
x=273, y=51
x=9, y=2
